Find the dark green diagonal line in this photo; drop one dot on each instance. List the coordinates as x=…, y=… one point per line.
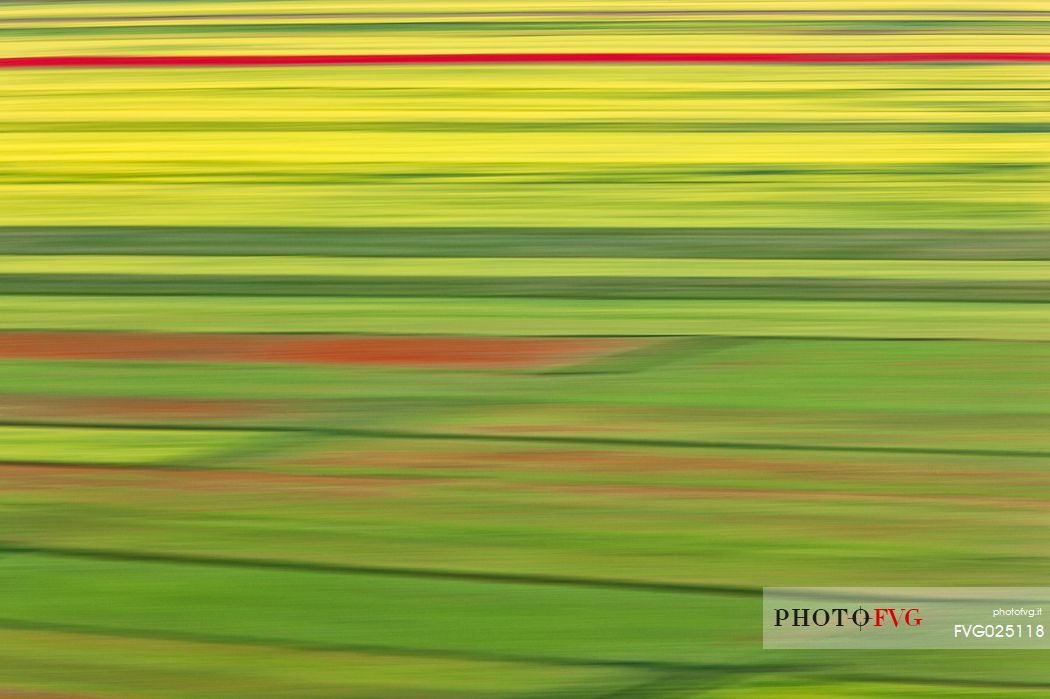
x=667, y=669
x=677, y=683
x=383, y=650
x=346, y=569
x=546, y=439
x=269, y=444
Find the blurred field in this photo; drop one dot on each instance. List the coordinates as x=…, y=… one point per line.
x=516, y=380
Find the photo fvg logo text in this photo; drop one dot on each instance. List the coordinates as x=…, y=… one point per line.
x=975, y=617
x=840, y=616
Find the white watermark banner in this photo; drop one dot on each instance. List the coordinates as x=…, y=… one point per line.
x=905, y=617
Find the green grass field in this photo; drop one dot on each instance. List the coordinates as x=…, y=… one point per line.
x=844, y=270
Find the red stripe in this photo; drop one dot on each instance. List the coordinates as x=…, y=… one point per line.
x=356, y=59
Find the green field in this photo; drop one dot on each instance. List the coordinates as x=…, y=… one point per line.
x=844, y=271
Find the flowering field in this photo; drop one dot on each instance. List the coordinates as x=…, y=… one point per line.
x=514, y=377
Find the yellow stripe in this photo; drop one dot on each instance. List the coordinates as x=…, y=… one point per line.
x=959, y=270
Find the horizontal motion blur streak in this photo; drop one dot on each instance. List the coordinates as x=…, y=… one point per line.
x=481, y=58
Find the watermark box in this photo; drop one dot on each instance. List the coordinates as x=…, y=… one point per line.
x=906, y=617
